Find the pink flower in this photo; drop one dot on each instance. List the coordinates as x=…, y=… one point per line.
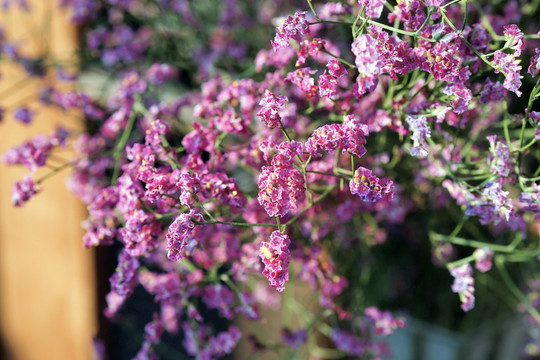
x=367, y=63
x=309, y=48
x=514, y=39
x=385, y=323
x=276, y=256
x=291, y=29
x=369, y=187
x=180, y=232
x=534, y=66
x=270, y=106
x=373, y=7
x=303, y=80
x=509, y=65
x=23, y=191
x=280, y=188
x=484, y=257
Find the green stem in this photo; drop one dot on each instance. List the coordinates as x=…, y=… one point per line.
x=499, y=262
x=313, y=10
x=234, y=223
x=119, y=148
x=475, y=244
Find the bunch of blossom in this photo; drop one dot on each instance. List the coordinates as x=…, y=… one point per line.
x=232, y=183
x=276, y=256
x=464, y=285
x=292, y=28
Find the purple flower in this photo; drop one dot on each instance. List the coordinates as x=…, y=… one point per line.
x=303, y=80
x=23, y=191
x=420, y=132
x=483, y=258
x=281, y=185
x=166, y=288
x=349, y=136
x=158, y=74
x=347, y=342
x=308, y=48
x=492, y=92
x=534, y=66
x=514, y=39
x=369, y=187
x=336, y=69
x=531, y=200
x=224, y=342
x=327, y=85
x=189, y=185
x=124, y=279
x=384, y=322
x=373, y=7
x=179, y=234
x=464, y=285
x=462, y=96
x=510, y=66
x=500, y=159
x=367, y=63
x=292, y=28
x=23, y=115
x=276, y=256
x=294, y=339
x=33, y=154
x=271, y=105
x=219, y=297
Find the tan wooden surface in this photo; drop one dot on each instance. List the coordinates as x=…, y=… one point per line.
x=47, y=290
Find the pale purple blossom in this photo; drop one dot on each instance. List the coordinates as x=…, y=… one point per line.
x=292, y=28
x=367, y=63
x=484, y=259
x=464, y=285
x=420, y=132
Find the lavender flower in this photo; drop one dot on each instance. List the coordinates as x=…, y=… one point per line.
x=420, y=132
x=23, y=191
x=464, y=285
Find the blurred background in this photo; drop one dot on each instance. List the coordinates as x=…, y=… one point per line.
x=47, y=280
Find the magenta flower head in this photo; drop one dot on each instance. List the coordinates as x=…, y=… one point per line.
x=23, y=191
x=374, y=8
x=484, y=257
x=369, y=187
x=271, y=105
x=384, y=322
x=367, y=62
x=180, y=232
x=534, y=66
x=276, y=256
x=292, y=28
x=514, y=39
x=511, y=68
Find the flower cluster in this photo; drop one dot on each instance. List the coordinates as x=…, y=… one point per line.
x=464, y=285
x=217, y=164
x=281, y=184
x=369, y=187
x=276, y=256
x=292, y=28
